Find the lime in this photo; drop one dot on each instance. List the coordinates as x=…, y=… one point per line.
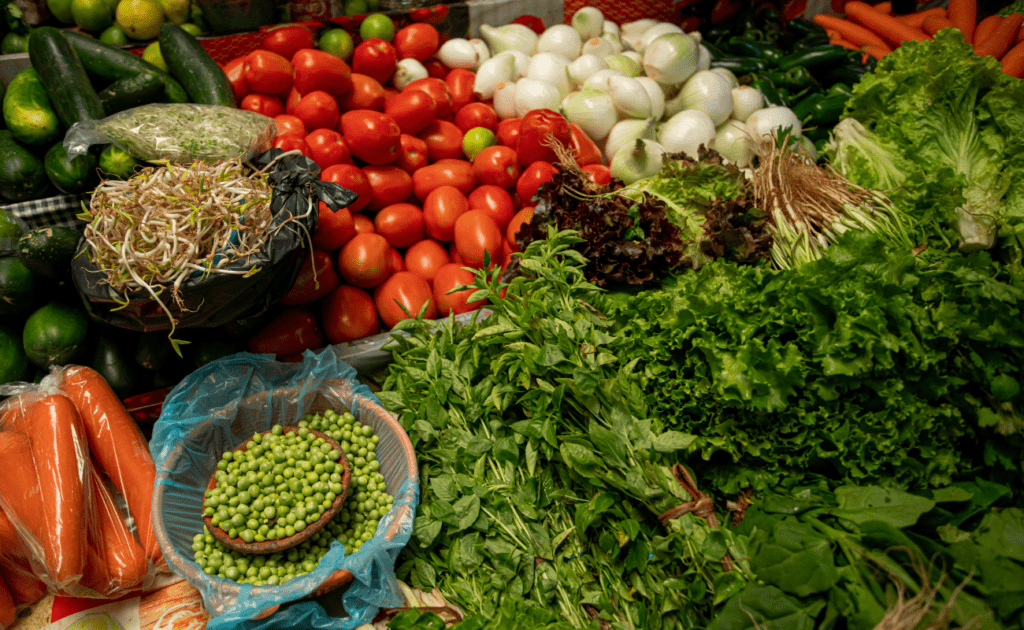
x=14, y=43
x=140, y=19
x=476, y=140
x=356, y=7
x=9, y=227
x=61, y=9
x=191, y=29
x=117, y=163
x=377, y=25
x=338, y=42
x=177, y=11
x=197, y=18
x=91, y=15
x=114, y=36
x=153, y=55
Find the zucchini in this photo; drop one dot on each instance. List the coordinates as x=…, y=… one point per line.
x=141, y=89
x=190, y=64
x=116, y=64
x=27, y=111
x=64, y=78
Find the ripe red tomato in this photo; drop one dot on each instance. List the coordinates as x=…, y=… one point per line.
x=460, y=83
x=349, y=314
x=444, y=140
x=327, y=148
x=291, y=143
x=425, y=258
x=437, y=89
x=476, y=115
x=456, y=256
x=334, y=229
x=495, y=201
x=435, y=69
x=363, y=223
x=476, y=234
x=447, y=278
x=318, y=110
x=585, y=150
x=372, y=137
x=402, y=295
x=267, y=72
x=365, y=261
x=291, y=332
x=458, y=173
x=287, y=40
x=598, y=173
x=316, y=279
x=375, y=58
x=508, y=132
x=235, y=70
x=352, y=178
x=401, y=224
x=412, y=110
x=535, y=132
x=533, y=176
x=440, y=210
x=397, y=264
x=319, y=70
x=288, y=124
x=523, y=216
x=262, y=104
x=416, y=41
x=532, y=21
x=390, y=185
x=292, y=101
x=414, y=154
x=366, y=93
x=496, y=165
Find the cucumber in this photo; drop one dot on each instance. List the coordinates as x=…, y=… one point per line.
x=141, y=89
x=54, y=334
x=17, y=285
x=48, y=251
x=3, y=90
x=116, y=64
x=189, y=63
x=110, y=361
x=13, y=363
x=70, y=176
x=22, y=176
x=28, y=112
x=64, y=77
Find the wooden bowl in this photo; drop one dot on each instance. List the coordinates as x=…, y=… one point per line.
x=283, y=544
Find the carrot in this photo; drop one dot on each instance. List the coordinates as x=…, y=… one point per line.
x=1013, y=61
x=984, y=29
x=19, y=486
x=7, y=612
x=25, y=586
x=964, y=14
x=1020, y=36
x=839, y=41
x=125, y=561
x=885, y=26
x=849, y=31
x=935, y=23
x=915, y=20
x=996, y=44
x=875, y=51
x=884, y=7
x=10, y=541
x=117, y=444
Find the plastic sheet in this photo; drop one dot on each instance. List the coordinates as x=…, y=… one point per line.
x=222, y=404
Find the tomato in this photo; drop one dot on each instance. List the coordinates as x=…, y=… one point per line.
x=402, y=295
x=431, y=15
x=440, y=210
x=327, y=148
x=533, y=176
x=375, y=58
x=476, y=115
x=291, y=143
x=318, y=110
x=262, y=104
x=397, y=264
x=267, y=72
x=531, y=21
x=460, y=84
x=416, y=41
x=476, y=234
x=585, y=150
x=495, y=201
x=458, y=173
x=506, y=254
x=349, y=314
x=363, y=223
x=372, y=137
x=401, y=224
x=352, y=178
x=414, y=154
x=508, y=132
x=319, y=70
x=291, y=332
x=496, y=165
x=390, y=185
x=288, y=124
x=412, y=110
x=523, y=216
x=292, y=101
x=365, y=261
x=435, y=69
x=534, y=134
x=456, y=256
x=425, y=258
x=447, y=278
x=316, y=279
x=334, y=229
x=598, y=173
x=444, y=140
x=287, y=40
x=366, y=93
x=437, y=89
x=235, y=70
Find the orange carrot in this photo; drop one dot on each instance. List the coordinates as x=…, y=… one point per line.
x=875, y=51
x=915, y=20
x=117, y=444
x=996, y=44
x=19, y=486
x=125, y=561
x=964, y=14
x=10, y=541
x=984, y=29
x=935, y=23
x=849, y=31
x=1013, y=61
x=885, y=26
x=1020, y=36
x=7, y=612
x=839, y=41
x=25, y=586
x=884, y=7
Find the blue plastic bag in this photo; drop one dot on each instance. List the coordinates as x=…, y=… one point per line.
x=223, y=404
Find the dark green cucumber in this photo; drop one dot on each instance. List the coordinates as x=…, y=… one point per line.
x=70, y=175
x=22, y=176
x=48, y=251
x=142, y=89
x=3, y=90
x=13, y=362
x=64, y=78
x=28, y=112
x=17, y=285
x=116, y=64
x=110, y=361
x=190, y=64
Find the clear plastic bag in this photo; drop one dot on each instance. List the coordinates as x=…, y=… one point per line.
x=177, y=132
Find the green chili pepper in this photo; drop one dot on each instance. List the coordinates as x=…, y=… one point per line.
x=849, y=74
x=803, y=28
x=804, y=108
x=716, y=34
x=761, y=50
x=713, y=50
x=814, y=57
x=839, y=88
x=829, y=110
x=768, y=89
x=740, y=65
x=817, y=134
x=810, y=42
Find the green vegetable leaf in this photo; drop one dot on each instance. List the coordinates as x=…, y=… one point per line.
x=797, y=559
x=765, y=608
x=872, y=503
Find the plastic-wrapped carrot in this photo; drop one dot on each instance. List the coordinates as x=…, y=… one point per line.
x=996, y=44
x=885, y=26
x=10, y=542
x=25, y=586
x=7, y=612
x=19, y=487
x=125, y=561
x=964, y=15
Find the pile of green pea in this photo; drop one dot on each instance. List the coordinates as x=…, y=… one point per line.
x=297, y=500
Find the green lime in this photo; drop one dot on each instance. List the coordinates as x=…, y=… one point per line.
x=9, y=227
x=61, y=9
x=356, y=7
x=476, y=140
x=117, y=163
x=140, y=19
x=377, y=25
x=92, y=15
x=191, y=29
x=338, y=42
x=114, y=36
x=14, y=43
x=153, y=55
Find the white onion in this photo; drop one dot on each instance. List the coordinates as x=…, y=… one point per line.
x=629, y=66
x=630, y=97
x=522, y=62
x=733, y=81
x=407, y=71
x=458, y=53
x=655, y=32
x=598, y=46
x=498, y=69
x=610, y=27
x=510, y=37
x=635, y=56
x=631, y=32
x=593, y=110
x=745, y=101
x=615, y=41
x=550, y=68
x=600, y=78
x=588, y=22
x=763, y=122
x=625, y=132
x=671, y=58
x=583, y=67
x=703, y=58
x=482, y=49
x=505, y=100
x=656, y=94
x=532, y=94
x=731, y=142
x=686, y=131
x=708, y=92
x=562, y=39
x=638, y=161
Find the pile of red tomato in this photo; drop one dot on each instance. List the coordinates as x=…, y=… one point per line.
x=424, y=212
